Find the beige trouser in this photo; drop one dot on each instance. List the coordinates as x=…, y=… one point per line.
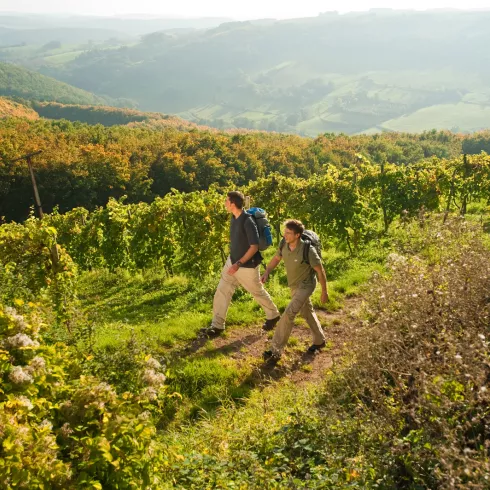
x=300, y=303
x=249, y=278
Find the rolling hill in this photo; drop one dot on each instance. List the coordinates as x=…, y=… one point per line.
x=358, y=72
x=9, y=108
x=9, y=37
x=135, y=25
x=109, y=116
x=16, y=81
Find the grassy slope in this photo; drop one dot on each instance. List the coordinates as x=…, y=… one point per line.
x=165, y=314
x=20, y=82
x=284, y=426
x=239, y=406
x=9, y=108
x=60, y=58
x=456, y=117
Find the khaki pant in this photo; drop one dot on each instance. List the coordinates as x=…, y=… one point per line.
x=250, y=280
x=300, y=303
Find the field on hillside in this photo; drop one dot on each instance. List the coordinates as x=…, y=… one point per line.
x=469, y=117
x=9, y=108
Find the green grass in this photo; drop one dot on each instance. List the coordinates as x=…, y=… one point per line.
x=169, y=311
x=149, y=305
x=461, y=116
x=476, y=209
x=208, y=381
x=58, y=59
x=151, y=312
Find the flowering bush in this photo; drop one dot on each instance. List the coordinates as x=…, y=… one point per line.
x=33, y=265
x=62, y=430
x=421, y=369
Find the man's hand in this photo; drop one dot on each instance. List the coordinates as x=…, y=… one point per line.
x=233, y=269
x=264, y=277
x=270, y=267
x=324, y=297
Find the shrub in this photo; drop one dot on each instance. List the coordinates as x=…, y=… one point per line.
x=60, y=429
x=421, y=364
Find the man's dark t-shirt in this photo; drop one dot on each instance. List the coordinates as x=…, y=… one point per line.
x=243, y=233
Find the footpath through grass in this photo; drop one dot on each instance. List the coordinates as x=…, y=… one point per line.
x=150, y=312
x=169, y=311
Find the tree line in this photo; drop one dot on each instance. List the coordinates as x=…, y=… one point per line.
x=85, y=166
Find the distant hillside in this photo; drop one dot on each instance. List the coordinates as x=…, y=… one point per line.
x=9, y=108
x=131, y=25
x=20, y=82
x=108, y=116
x=104, y=115
x=358, y=72
x=9, y=37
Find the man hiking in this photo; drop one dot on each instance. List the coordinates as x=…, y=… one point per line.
x=241, y=268
x=302, y=282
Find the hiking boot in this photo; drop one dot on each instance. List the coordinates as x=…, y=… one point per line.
x=271, y=358
x=270, y=324
x=211, y=331
x=316, y=347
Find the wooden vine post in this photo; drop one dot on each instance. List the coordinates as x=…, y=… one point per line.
x=28, y=158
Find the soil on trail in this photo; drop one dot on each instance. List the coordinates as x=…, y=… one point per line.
x=247, y=344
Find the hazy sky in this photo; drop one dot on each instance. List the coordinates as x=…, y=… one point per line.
x=227, y=8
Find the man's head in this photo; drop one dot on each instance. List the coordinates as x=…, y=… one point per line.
x=293, y=229
x=234, y=201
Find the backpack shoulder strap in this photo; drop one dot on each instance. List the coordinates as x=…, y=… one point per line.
x=252, y=218
x=248, y=216
x=281, y=244
x=306, y=252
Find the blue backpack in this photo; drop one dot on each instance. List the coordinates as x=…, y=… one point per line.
x=265, y=233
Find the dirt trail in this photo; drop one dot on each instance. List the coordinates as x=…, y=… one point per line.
x=248, y=343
